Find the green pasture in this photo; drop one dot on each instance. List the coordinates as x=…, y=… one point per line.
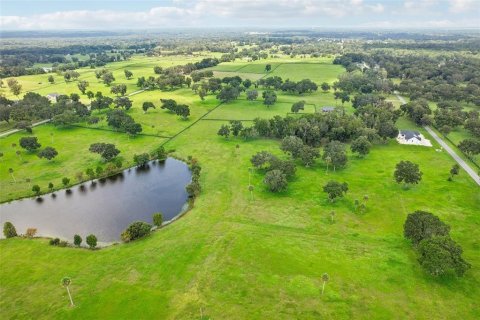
x=234, y=257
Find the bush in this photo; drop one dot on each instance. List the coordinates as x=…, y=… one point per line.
x=91, y=241
x=9, y=230
x=158, y=219
x=136, y=230
x=77, y=240
x=54, y=242
x=276, y=180
x=63, y=243
x=31, y=232
x=422, y=225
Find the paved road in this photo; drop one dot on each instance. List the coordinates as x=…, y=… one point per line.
x=7, y=133
x=447, y=148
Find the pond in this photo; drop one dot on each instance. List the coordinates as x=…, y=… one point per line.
x=106, y=207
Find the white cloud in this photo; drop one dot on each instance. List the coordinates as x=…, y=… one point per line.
x=268, y=13
x=457, y=6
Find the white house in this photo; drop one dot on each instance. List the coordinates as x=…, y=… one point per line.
x=413, y=137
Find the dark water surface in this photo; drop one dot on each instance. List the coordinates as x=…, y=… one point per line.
x=107, y=207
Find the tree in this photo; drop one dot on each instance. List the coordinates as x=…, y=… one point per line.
x=90, y=95
x=297, y=106
x=50, y=186
x=128, y=74
x=261, y=159
x=183, y=111
x=236, y=126
x=421, y=225
x=9, y=230
x=269, y=97
x=455, y=170
x=51, y=79
x=48, y=153
x=361, y=145
x=119, y=89
x=15, y=87
x=136, y=230
x=343, y=96
x=132, y=128
x=157, y=70
x=66, y=283
x=141, y=159
x=36, y=189
x=29, y=143
x=276, y=180
x=440, y=255
x=228, y=93
x=108, y=78
x=325, y=279
x=292, y=145
x=107, y=151
x=252, y=95
x=325, y=86
x=10, y=170
x=82, y=86
x=65, y=181
x=407, y=172
x=335, y=152
x=308, y=155
x=123, y=102
x=335, y=189
x=470, y=147
x=77, y=240
x=268, y=67
x=157, y=219
x=224, y=131
x=147, y=105
x=91, y=241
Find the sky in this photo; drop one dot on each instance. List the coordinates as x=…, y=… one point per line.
x=252, y=14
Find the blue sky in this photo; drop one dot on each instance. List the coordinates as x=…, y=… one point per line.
x=114, y=14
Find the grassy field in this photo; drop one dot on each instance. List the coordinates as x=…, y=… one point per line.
x=232, y=257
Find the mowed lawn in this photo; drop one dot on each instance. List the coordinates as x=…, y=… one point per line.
x=232, y=257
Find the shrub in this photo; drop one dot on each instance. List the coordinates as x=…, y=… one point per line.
x=54, y=242
x=158, y=219
x=31, y=232
x=77, y=240
x=276, y=180
x=136, y=230
x=9, y=230
x=91, y=241
x=63, y=243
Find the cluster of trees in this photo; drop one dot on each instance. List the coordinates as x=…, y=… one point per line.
x=277, y=171
x=105, y=76
x=171, y=105
x=31, y=144
x=301, y=87
x=107, y=151
x=434, y=78
x=194, y=188
x=120, y=120
x=438, y=254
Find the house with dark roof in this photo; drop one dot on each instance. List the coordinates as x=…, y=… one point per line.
x=412, y=137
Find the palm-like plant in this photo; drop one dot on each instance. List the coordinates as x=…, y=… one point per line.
x=325, y=278
x=66, y=281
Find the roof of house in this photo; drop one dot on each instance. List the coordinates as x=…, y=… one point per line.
x=410, y=134
x=53, y=95
x=327, y=108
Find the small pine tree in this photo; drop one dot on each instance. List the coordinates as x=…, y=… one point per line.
x=9, y=230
